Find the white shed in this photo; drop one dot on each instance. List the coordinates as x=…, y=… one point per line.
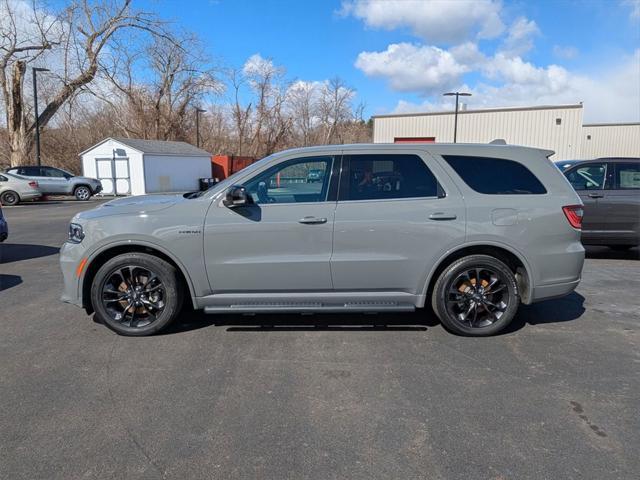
x=130, y=166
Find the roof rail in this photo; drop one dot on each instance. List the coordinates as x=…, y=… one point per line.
x=498, y=141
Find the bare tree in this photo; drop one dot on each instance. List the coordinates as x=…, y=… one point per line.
x=80, y=33
x=178, y=79
x=335, y=108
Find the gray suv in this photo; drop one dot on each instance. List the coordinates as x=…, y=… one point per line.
x=55, y=181
x=469, y=230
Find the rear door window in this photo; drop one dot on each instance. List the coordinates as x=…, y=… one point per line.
x=30, y=171
x=627, y=176
x=495, y=176
x=592, y=176
x=380, y=177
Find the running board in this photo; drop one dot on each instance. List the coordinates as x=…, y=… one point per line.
x=312, y=307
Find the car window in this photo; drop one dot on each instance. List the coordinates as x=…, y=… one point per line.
x=592, y=176
x=628, y=176
x=293, y=181
x=3, y=178
x=52, y=172
x=379, y=177
x=29, y=171
x=495, y=176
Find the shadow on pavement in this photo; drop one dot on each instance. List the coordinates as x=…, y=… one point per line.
x=606, y=253
x=14, y=252
x=353, y=322
x=558, y=310
x=8, y=281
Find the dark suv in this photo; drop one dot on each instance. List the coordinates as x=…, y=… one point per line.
x=610, y=191
x=54, y=181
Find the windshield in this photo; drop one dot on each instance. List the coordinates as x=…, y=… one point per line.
x=227, y=182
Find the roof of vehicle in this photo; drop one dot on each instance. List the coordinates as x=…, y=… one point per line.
x=156, y=147
x=602, y=159
x=420, y=146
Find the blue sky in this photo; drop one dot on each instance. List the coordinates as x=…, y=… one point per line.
x=399, y=56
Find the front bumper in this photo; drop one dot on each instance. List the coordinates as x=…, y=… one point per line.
x=97, y=189
x=71, y=255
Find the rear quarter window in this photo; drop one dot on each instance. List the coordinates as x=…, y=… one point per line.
x=495, y=176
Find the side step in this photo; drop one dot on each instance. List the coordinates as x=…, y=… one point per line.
x=312, y=307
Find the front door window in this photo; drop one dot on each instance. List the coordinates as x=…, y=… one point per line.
x=300, y=180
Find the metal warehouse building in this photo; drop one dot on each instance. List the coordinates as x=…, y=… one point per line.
x=557, y=127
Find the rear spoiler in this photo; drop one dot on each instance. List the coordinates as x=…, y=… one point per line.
x=502, y=141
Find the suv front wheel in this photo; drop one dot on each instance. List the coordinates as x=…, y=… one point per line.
x=82, y=193
x=476, y=296
x=136, y=294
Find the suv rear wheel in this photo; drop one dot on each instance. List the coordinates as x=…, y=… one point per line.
x=475, y=296
x=82, y=192
x=136, y=294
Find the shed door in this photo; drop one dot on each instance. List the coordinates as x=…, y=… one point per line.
x=114, y=175
x=105, y=175
x=123, y=182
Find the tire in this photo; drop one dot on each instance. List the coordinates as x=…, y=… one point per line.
x=620, y=248
x=82, y=193
x=488, y=309
x=9, y=198
x=159, y=286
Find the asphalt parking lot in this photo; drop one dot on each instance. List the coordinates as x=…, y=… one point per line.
x=347, y=396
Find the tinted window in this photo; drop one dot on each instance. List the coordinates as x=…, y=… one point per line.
x=377, y=177
x=495, y=176
x=3, y=178
x=52, y=172
x=29, y=171
x=294, y=181
x=628, y=176
x=588, y=177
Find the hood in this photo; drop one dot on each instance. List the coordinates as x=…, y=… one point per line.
x=86, y=179
x=135, y=205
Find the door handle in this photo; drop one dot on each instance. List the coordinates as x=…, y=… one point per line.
x=312, y=220
x=596, y=195
x=443, y=216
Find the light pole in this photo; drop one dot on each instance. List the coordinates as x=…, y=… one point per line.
x=455, y=117
x=35, y=108
x=198, y=112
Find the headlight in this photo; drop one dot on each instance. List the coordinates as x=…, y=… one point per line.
x=76, y=234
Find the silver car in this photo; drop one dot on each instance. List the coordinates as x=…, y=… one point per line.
x=14, y=189
x=469, y=230
x=55, y=181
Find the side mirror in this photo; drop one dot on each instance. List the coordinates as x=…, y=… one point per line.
x=237, y=196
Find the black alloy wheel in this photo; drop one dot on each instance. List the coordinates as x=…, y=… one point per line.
x=136, y=294
x=476, y=296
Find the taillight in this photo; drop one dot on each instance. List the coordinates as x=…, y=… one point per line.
x=33, y=184
x=574, y=214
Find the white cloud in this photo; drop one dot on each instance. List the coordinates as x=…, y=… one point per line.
x=565, y=53
x=437, y=21
x=525, y=84
x=635, y=8
x=256, y=65
x=520, y=37
x=409, y=67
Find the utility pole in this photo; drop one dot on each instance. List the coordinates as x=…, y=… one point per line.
x=455, y=117
x=35, y=108
x=198, y=112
